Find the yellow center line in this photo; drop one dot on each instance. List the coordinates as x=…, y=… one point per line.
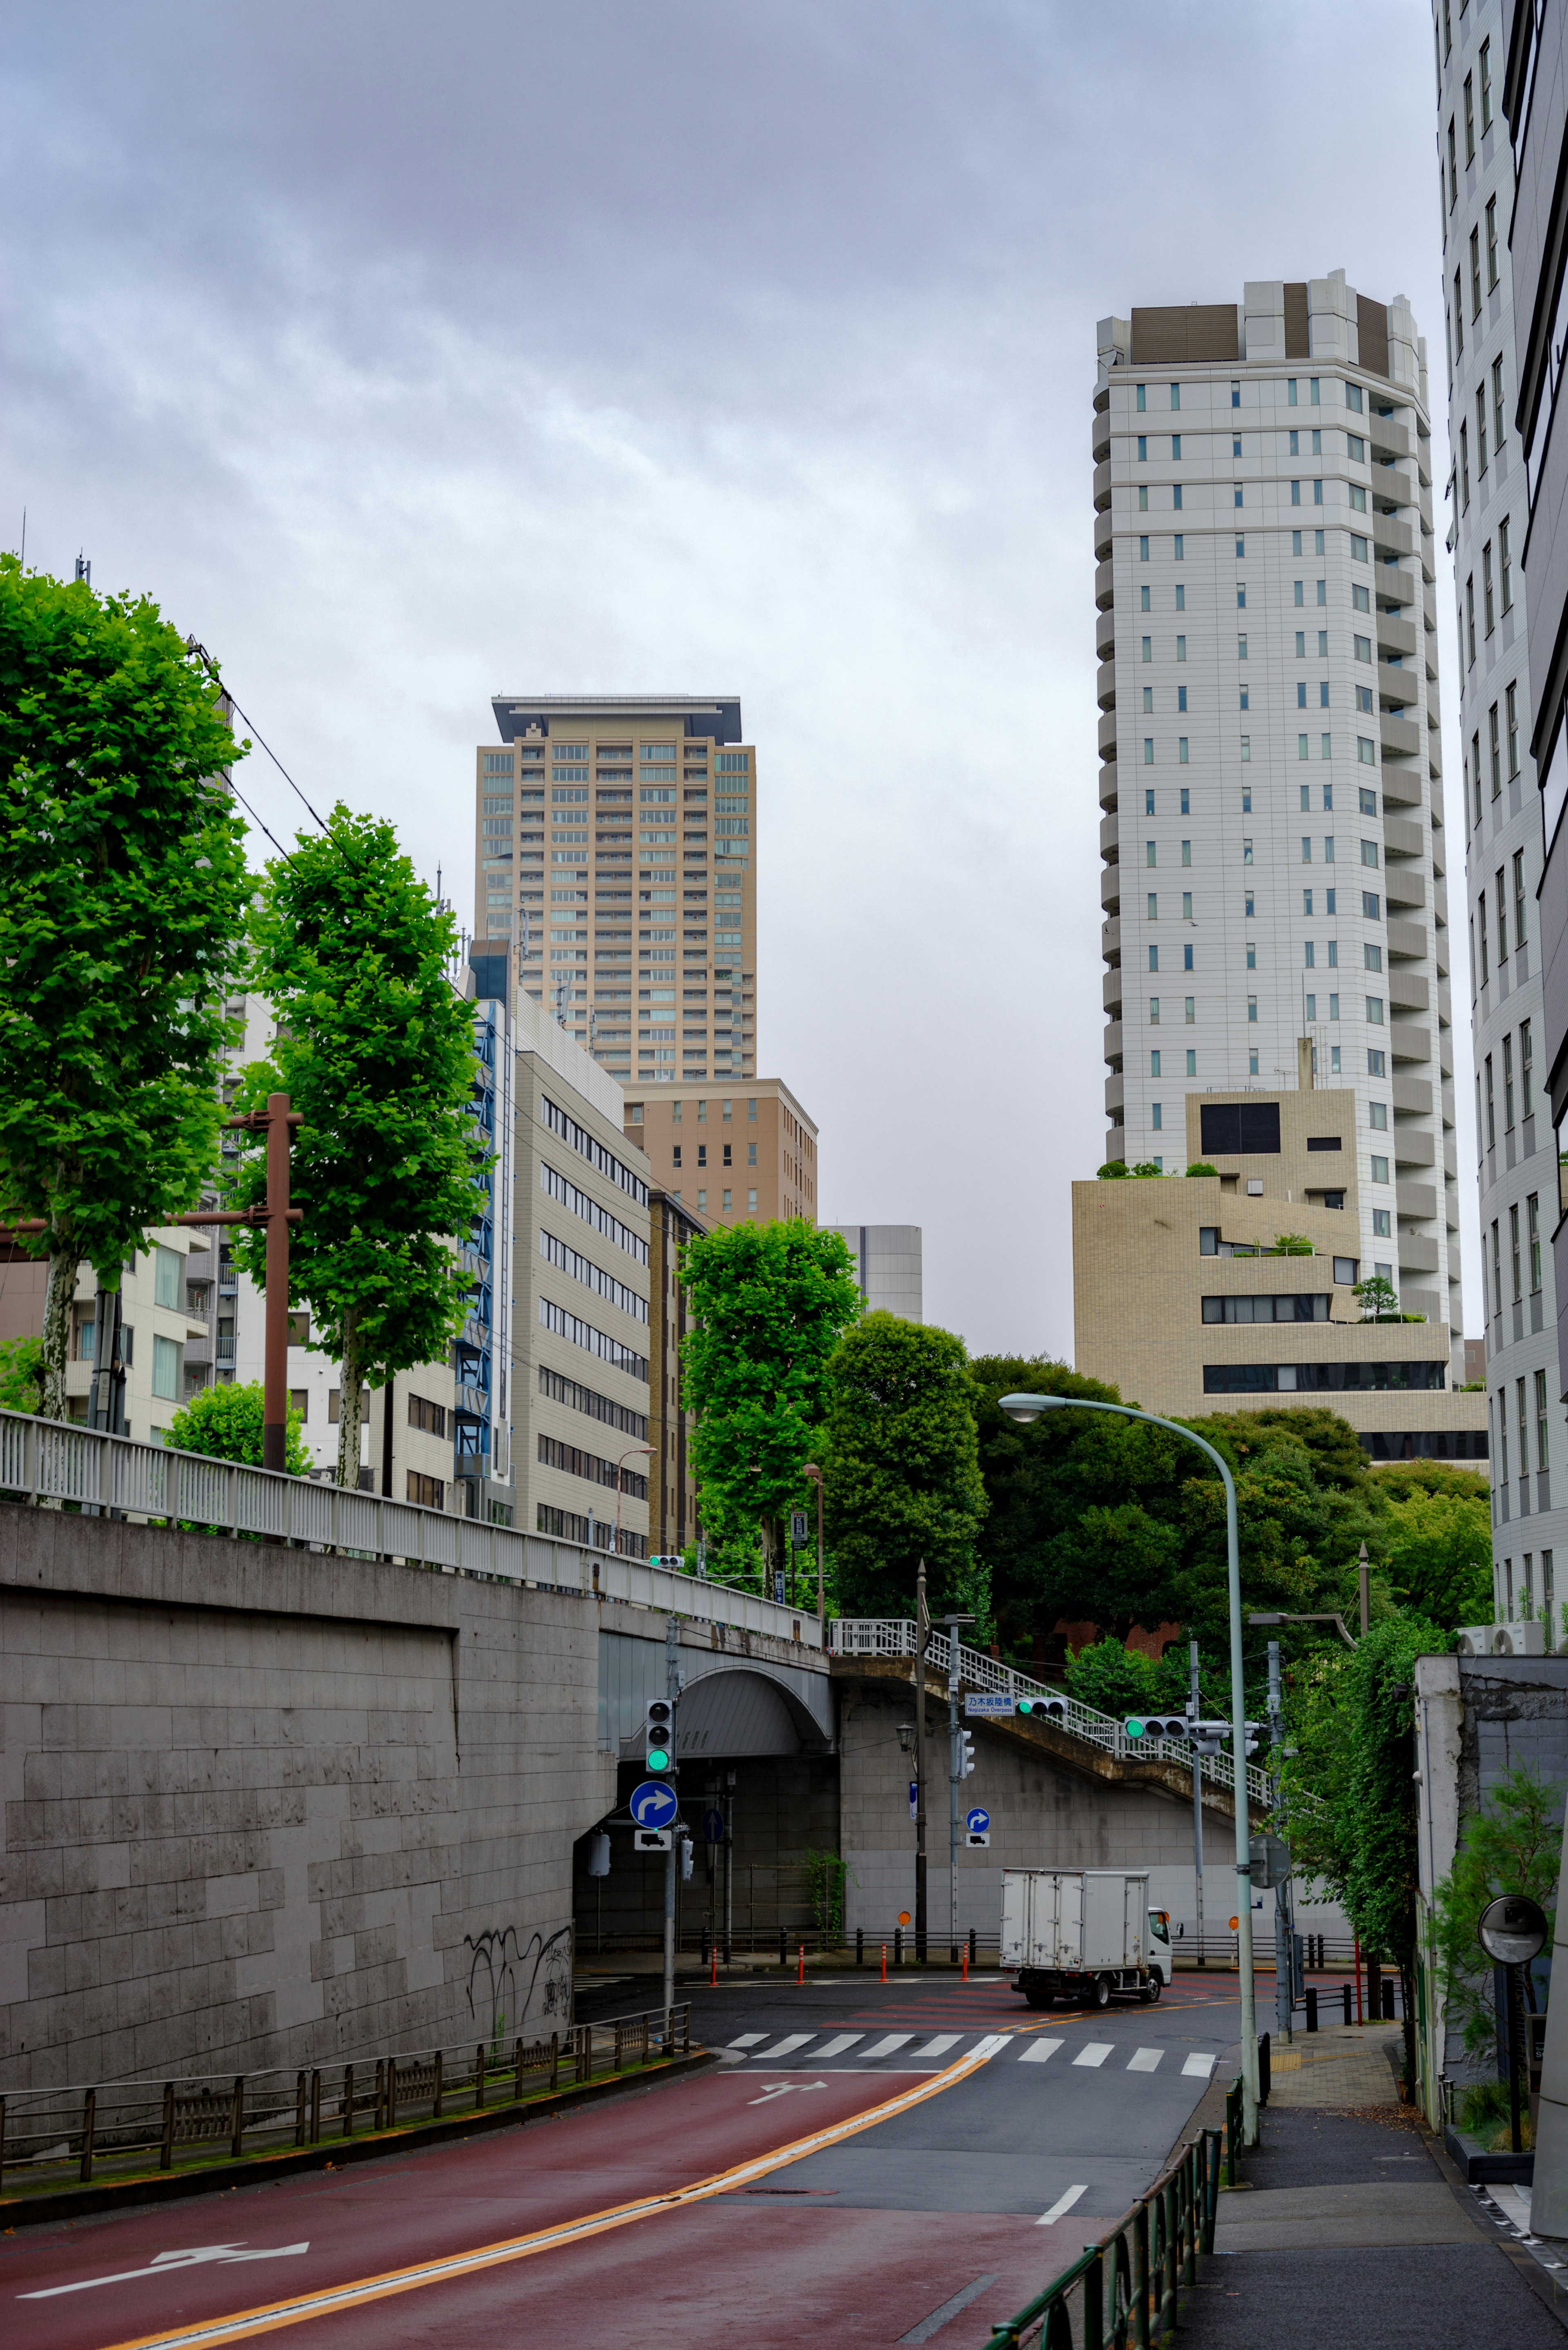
x=270, y=2315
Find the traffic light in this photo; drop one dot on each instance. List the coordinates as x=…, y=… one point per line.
x=1040, y=1709
x=1254, y=1731
x=963, y=1755
x=688, y=1853
x=1151, y=1726
x=658, y=1736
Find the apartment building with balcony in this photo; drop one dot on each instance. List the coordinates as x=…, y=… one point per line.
x=615, y=845
x=1489, y=516
x=742, y=1157
x=1275, y=860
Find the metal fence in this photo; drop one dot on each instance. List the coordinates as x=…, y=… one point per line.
x=894, y=1635
x=87, y=1471
x=49, y=2137
x=1126, y=2287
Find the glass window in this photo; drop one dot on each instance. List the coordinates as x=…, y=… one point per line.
x=168, y=1263
x=167, y=1357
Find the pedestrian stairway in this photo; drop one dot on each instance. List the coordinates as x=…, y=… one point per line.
x=856, y=2051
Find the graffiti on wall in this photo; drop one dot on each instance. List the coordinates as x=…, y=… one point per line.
x=512, y=1984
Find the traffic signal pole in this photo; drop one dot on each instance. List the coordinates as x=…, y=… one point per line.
x=672, y=1691
x=955, y=1771
x=922, y=1634
x=1195, y=1708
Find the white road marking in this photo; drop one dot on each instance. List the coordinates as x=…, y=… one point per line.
x=885, y=2046
x=164, y=2262
x=991, y=2045
x=1036, y=2052
x=749, y=2039
x=785, y=2047
x=935, y=2048
x=1063, y=2203
x=1145, y=2060
x=783, y=2089
x=949, y=2310
x=1200, y=2066
x=837, y=2047
x=1094, y=2052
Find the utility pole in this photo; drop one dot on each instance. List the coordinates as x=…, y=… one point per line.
x=1195, y=1709
x=954, y=1774
x=672, y=1691
x=922, y=1634
x=815, y=1473
x=1284, y=1939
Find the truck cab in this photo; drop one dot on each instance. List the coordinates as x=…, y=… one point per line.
x=1161, y=1957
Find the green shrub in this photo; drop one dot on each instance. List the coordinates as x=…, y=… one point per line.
x=1113, y=1171
x=1201, y=1166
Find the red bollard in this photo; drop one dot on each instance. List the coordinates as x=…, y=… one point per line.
x=884, y=1962
x=800, y=1977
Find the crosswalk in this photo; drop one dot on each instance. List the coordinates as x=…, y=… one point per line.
x=858, y=2049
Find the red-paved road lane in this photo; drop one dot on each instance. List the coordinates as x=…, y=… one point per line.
x=387, y=2214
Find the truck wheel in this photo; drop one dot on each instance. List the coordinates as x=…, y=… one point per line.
x=1100, y=1995
x=1151, y=1996
x=1039, y=1996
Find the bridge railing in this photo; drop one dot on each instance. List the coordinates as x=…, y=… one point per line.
x=894, y=1635
x=89, y=1471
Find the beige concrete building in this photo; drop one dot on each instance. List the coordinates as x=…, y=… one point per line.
x=1179, y=1302
x=1274, y=830
x=633, y=907
x=671, y=1486
x=732, y=1158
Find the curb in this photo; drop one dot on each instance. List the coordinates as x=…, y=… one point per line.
x=337, y=2154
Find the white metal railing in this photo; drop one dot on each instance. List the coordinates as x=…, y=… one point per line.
x=56, y=1461
x=894, y=1635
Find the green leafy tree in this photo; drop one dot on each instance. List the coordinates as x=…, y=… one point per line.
x=225, y=1423
x=902, y=1471
x=1118, y=1680
x=120, y=915
x=375, y=1049
x=1440, y=1555
x=21, y=1373
x=770, y=1303
x=1291, y=1244
x=1513, y=1844
x=1380, y=1298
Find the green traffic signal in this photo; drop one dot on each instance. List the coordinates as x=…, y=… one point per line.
x=657, y=1758
x=1135, y=1726
x=1027, y=1705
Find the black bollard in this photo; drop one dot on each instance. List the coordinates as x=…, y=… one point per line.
x=1312, y=2007
x=859, y=1946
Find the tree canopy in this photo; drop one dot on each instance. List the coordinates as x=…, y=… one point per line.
x=120, y=918
x=225, y=1423
x=770, y=1303
x=375, y=1048
x=902, y=1471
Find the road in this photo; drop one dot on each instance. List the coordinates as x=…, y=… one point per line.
x=914, y=2159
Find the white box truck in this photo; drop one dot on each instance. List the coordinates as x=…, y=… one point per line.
x=1087, y=1935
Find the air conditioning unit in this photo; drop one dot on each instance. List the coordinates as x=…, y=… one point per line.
x=1520, y=1639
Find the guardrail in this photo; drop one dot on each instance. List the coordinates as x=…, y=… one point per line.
x=85, y=1469
x=47, y=2135
x=894, y=1635
x=1129, y=2283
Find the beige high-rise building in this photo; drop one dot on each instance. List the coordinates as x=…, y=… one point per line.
x=1273, y=835
x=733, y=1159
x=615, y=845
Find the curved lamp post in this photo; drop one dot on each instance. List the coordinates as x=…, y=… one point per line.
x=1027, y=1408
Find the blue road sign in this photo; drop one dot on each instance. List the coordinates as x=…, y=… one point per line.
x=978, y=1821
x=713, y=1826
x=654, y=1804
x=914, y=1799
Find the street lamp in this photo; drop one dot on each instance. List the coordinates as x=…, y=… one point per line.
x=1337, y=1621
x=624, y=1458
x=1028, y=1408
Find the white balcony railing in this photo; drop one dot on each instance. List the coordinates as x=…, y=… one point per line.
x=83, y=1468
x=895, y=1637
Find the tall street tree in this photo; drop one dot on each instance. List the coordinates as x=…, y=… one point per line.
x=902, y=1471
x=122, y=895
x=375, y=1049
x=770, y=1303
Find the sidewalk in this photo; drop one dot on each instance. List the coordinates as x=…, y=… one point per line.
x=1349, y=2226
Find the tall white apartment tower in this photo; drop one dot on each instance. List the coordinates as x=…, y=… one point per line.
x=1276, y=914
x=1489, y=511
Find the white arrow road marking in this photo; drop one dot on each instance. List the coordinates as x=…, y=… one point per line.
x=1038, y=2051
x=785, y=2047
x=1094, y=2052
x=837, y=2047
x=783, y=2089
x=1145, y=2060
x=163, y=2261
x=935, y=2048
x=1063, y=2203
x=1200, y=2066
x=885, y=2046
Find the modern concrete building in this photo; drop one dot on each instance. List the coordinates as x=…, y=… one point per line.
x=1272, y=782
x=732, y=1157
x=1488, y=494
x=1179, y=1293
x=580, y=1305
x=671, y=1487
x=652, y=804
x=888, y=1265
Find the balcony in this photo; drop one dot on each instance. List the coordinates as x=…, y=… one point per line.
x=1105, y=585
x=1111, y=890
x=1105, y=635
x=1401, y=837
x=1408, y=1043
x=1405, y=885
x=1103, y=486
x=1396, y=636
x=1110, y=842
x=1391, y=537
x=1113, y=1095
x=1100, y=442
x=1418, y=1201
x=1413, y=1096
x=1108, y=735
x=1393, y=585
x=1113, y=1044
x=1408, y=991
x=1388, y=438
x=1402, y=786
x=1106, y=685
x=1417, y=1256
x=1111, y=941
x=1104, y=537
x=1440, y=903
x=1111, y=992
x=1407, y=939
x=1401, y=740
x=1414, y=1147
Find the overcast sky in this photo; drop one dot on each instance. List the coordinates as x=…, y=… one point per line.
x=406, y=354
